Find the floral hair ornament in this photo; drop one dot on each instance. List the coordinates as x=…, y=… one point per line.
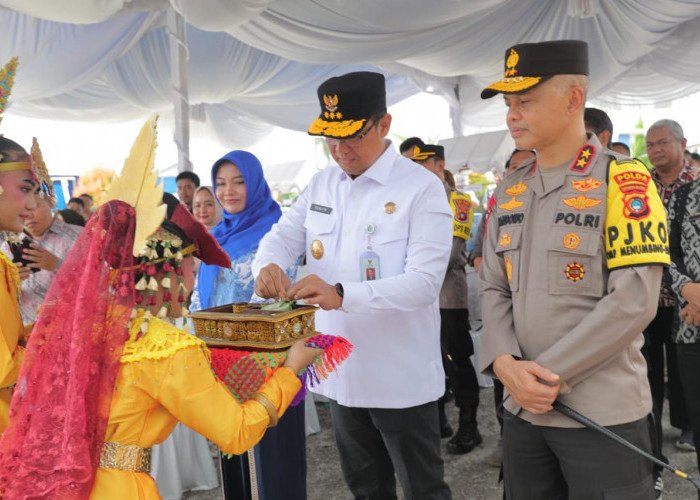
x=166, y=249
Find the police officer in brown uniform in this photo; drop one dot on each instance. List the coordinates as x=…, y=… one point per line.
x=574, y=252
x=455, y=339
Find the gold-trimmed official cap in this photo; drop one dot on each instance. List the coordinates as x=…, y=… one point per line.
x=347, y=102
x=529, y=64
x=422, y=152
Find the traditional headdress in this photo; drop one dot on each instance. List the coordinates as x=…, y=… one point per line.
x=65, y=385
x=7, y=79
x=34, y=162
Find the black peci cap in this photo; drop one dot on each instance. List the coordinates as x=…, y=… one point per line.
x=529, y=64
x=347, y=102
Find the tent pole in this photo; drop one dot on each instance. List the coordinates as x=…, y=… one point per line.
x=178, y=80
x=456, y=115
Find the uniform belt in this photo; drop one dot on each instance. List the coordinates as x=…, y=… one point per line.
x=125, y=457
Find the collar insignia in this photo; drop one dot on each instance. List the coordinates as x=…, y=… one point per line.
x=583, y=159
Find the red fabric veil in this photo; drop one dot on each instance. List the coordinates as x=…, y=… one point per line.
x=60, y=408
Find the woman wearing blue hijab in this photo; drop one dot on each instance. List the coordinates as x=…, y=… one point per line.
x=249, y=213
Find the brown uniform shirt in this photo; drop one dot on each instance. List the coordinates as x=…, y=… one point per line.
x=550, y=293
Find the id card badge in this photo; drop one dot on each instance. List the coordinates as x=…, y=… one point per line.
x=369, y=266
x=369, y=260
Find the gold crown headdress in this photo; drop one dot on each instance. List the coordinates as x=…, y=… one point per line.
x=41, y=174
x=137, y=186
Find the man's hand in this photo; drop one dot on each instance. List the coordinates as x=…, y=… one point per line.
x=691, y=315
x=315, y=291
x=691, y=293
x=40, y=258
x=272, y=282
x=24, y=271
x=477, y=263
x=532, y=387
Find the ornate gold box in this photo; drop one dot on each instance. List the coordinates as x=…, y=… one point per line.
x=244, y=325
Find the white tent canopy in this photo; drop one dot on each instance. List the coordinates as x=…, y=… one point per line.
x=479, y=152
x=256, y=63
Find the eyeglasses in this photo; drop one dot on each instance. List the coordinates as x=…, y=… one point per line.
x=353, y=141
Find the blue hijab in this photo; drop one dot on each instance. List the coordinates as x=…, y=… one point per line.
x=240, y=233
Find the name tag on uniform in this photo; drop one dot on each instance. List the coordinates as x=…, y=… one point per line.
x=321, y=209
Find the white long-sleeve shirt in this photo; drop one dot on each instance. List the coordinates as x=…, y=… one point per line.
x=393, y=321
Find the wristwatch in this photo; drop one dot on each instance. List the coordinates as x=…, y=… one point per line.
x=339, y=290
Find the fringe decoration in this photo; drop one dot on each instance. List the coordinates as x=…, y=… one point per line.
x=244, y=372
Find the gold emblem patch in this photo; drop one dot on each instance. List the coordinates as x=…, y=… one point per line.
x=581, y=202
x=505, y=240
x=586, y=185
x=390, y=208
x=317, y=249
x=575, y=272
x=571, y=241
x=331, y=102
x=511, y=63
x=509, y=269
x=511, y=205
x=517, y=189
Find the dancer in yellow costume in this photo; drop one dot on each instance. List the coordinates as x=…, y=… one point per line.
x=104, y=377
x=18, y=185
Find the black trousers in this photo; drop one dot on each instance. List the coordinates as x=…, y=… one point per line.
x=574, y=463
x=457, y=347
x=657, y=341
x=375, y=444
x=689, y=368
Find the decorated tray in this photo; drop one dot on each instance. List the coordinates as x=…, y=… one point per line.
x=249, y=326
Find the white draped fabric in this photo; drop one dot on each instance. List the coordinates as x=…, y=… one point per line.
x=256, y=63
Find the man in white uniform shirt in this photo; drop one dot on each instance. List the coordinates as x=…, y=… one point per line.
x=377, y=233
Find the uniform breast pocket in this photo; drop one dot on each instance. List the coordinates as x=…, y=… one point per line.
x=319, y=237
x=508, y=248
x=574, y=263
x=391, y=244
